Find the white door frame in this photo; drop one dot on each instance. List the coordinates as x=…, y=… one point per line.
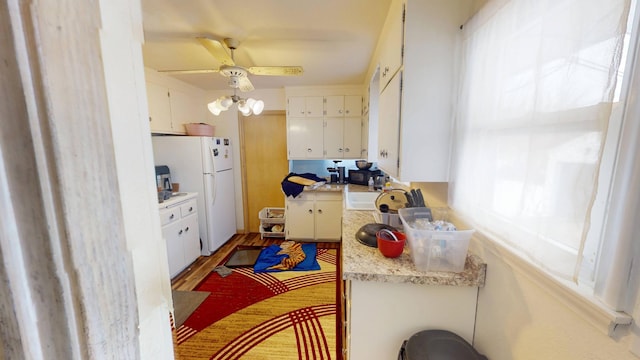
x=83, y=270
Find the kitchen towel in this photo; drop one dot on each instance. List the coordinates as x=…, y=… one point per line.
x=292, y=188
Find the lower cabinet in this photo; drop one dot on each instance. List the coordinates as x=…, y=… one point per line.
x=179, y=220
x=314, y=215
x=379, y=316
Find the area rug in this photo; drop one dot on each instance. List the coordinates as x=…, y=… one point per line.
x=185, y=303
x=283, y=315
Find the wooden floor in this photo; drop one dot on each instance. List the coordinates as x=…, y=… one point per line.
x=194, y=274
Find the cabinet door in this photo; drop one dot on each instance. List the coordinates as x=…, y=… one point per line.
x=300, y=219
x=190, y=239
x=305, y=138
x=328, y=219
x=334, y=106
x=364, y=138
x=172, y=234
x=392, y=38
x=333, y=138
x=185, y=109
x=159, y=108
x=296, y=106
x=389, y=126
x=314, y=106
x=352, y=138
x=353, y=106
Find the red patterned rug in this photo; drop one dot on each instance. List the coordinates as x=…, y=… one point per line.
x=282, y=315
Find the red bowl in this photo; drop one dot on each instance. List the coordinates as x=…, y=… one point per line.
x=390, y=248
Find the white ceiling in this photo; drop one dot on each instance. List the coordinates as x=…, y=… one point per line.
x=333, y=40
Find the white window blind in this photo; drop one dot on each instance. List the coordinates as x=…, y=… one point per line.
x=537, y=84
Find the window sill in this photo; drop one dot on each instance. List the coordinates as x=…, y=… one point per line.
x=579, y=300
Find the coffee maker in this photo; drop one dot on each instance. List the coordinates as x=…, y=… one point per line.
x=337, y=173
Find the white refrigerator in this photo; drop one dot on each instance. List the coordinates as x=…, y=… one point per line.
x=203, y=165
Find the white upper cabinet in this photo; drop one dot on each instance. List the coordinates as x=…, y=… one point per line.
x=305, y=138
x=334, y=106
x=335, y=134
x=170, y=109
x=353, y=106
x=392, y=39
x=415, y=108
x=305, y=106
x=185, y=109
x=389, y=127
x=159, y=108
x=352, y=137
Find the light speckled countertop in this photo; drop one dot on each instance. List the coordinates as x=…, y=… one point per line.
x=364, y=263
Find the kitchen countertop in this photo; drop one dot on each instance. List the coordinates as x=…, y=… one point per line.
x=337, y=187
x=364, y=263
x=178, y=197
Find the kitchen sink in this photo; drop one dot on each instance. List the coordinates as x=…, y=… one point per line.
x=361, y=200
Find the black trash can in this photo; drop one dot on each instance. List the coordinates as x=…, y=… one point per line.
x=437, y=345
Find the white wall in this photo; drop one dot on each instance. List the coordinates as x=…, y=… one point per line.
x=519, y=319
x=124, y=76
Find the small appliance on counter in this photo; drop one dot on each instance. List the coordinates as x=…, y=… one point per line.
x=337, y=173
x=163, y=178
x=361, y=177
x=163, y=183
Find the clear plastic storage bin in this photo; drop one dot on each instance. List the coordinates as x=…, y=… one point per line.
x=434, y=250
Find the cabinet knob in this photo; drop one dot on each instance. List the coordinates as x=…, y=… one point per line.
x=347, y=112
x=340, y=111
x=309, y=150
x=186, y=229
x=190, y=208
x=319, y=211
x=310, y=211
x=302, y=112
x=340, y=150
x=172, y=216
x=180, y=232
x=346, y=150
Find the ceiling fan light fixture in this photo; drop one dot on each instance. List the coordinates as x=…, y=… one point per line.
x=245, y=106
x=214, y=108
x=257, y=107
x=225, y=102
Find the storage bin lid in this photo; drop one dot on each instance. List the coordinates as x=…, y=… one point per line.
x=438, y=345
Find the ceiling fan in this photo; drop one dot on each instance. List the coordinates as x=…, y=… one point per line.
x=237, y=74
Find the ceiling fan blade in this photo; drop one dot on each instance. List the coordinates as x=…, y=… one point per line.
x=245, y=84
x=216, y=49
x=276, y=70
x=179, y=72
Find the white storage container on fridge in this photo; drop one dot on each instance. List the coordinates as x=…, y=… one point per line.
x=434, y=250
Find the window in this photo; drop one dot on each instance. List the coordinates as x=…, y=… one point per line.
x=539, y=86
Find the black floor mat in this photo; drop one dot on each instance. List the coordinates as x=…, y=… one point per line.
x=243, y=257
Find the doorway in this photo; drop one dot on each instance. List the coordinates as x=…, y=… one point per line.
x=264, y=157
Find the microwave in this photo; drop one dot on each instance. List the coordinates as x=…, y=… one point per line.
x=361, y=177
